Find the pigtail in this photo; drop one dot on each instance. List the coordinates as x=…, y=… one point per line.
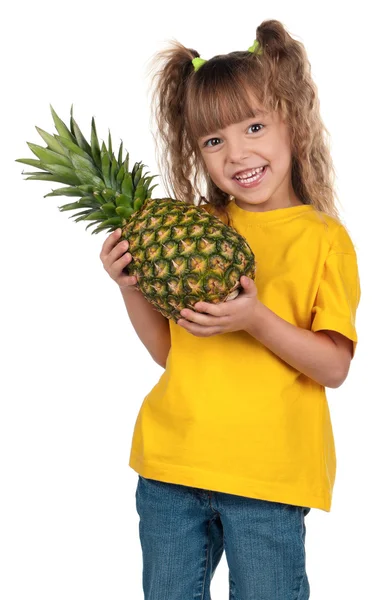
x=287, y=79
x=282, y=56
x=173, y=151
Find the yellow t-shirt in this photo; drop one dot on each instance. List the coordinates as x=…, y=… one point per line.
x=228, y=414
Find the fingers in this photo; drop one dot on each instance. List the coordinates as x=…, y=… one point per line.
x=115, y=258
x=196, y=317
x=112, y=250
x=116, y=271
x=199, y=330
x=110, y=243
x=216, y=310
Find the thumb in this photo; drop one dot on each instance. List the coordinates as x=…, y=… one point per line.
x=247, y=283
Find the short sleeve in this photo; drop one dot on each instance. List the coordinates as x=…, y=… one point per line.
x=339, y=290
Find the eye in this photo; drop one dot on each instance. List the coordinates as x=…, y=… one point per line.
x=206, y=143
x=257, y=125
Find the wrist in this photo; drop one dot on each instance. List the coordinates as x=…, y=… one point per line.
x=128, y=289
x=256, y=319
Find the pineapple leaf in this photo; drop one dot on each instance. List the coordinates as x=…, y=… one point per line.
x=140, y=192
x=148, y=180
x=136, y=167
x=138, y=203
x=70, y=206
x=99, y=198
x=87, y=178
x=110, y=224
x=93, y=214
x=123, y=200
x=48, y=156
x=113, y=221
x=92, y=224
x=32, y=162
x=61, y=127
x=105, y=160
x=94, y=145
x=85, y=215
x=109, y=209
x=88, y=202
x=66, y=191
x=52, y=143
x=50, y=177
x=98, y=229
x=108, y=194
x=127, y=187
x=82, y=142
x=89, y=189
x=110, y=145
x=113, y=173
x=35, y=172
x=149, y=191
x=84, y=202
x=119, y=160
x=137, y=177
x=95, y=199
x=126, y=162
x=70, y=145
x=124, y=212
x=63, y=172
x=120, y=177
x=80, y=162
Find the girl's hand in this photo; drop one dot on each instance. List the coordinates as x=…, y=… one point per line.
x=114, y=260
x=234, y=315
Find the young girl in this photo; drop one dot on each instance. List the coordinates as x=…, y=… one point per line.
x=234, y=444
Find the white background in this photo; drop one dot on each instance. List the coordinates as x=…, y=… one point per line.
x=74, y=373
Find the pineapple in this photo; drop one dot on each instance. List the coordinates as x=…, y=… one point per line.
x=181, y=253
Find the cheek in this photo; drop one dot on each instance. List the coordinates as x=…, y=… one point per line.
x=216, y=176
x=280, y=159
x=212, y=169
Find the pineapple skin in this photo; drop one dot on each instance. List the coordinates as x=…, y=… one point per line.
x=181, y=255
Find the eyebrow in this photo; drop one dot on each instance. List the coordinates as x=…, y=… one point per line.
x=258, y=111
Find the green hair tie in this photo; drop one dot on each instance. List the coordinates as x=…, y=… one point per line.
x=198, y=62
x=255, y=48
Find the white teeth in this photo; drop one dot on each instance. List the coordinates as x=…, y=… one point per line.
x=250, y=173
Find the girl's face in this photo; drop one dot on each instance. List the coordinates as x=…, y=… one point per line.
x=251, y=144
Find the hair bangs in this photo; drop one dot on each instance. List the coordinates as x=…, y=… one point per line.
x=221, y=97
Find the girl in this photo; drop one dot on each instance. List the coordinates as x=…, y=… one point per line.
x=234, y=444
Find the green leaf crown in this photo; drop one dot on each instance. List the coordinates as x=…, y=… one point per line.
x=109, y=193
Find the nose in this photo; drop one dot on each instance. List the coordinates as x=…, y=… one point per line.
x=236, y=151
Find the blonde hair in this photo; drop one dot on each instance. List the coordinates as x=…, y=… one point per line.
x=187, y=104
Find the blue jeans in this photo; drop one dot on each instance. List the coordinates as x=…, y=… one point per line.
x=184, y=530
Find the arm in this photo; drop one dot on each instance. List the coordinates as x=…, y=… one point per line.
x=324, y=356
x=150, y=325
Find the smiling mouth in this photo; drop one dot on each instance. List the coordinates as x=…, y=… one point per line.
x=253, y=180
x=250, y=174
